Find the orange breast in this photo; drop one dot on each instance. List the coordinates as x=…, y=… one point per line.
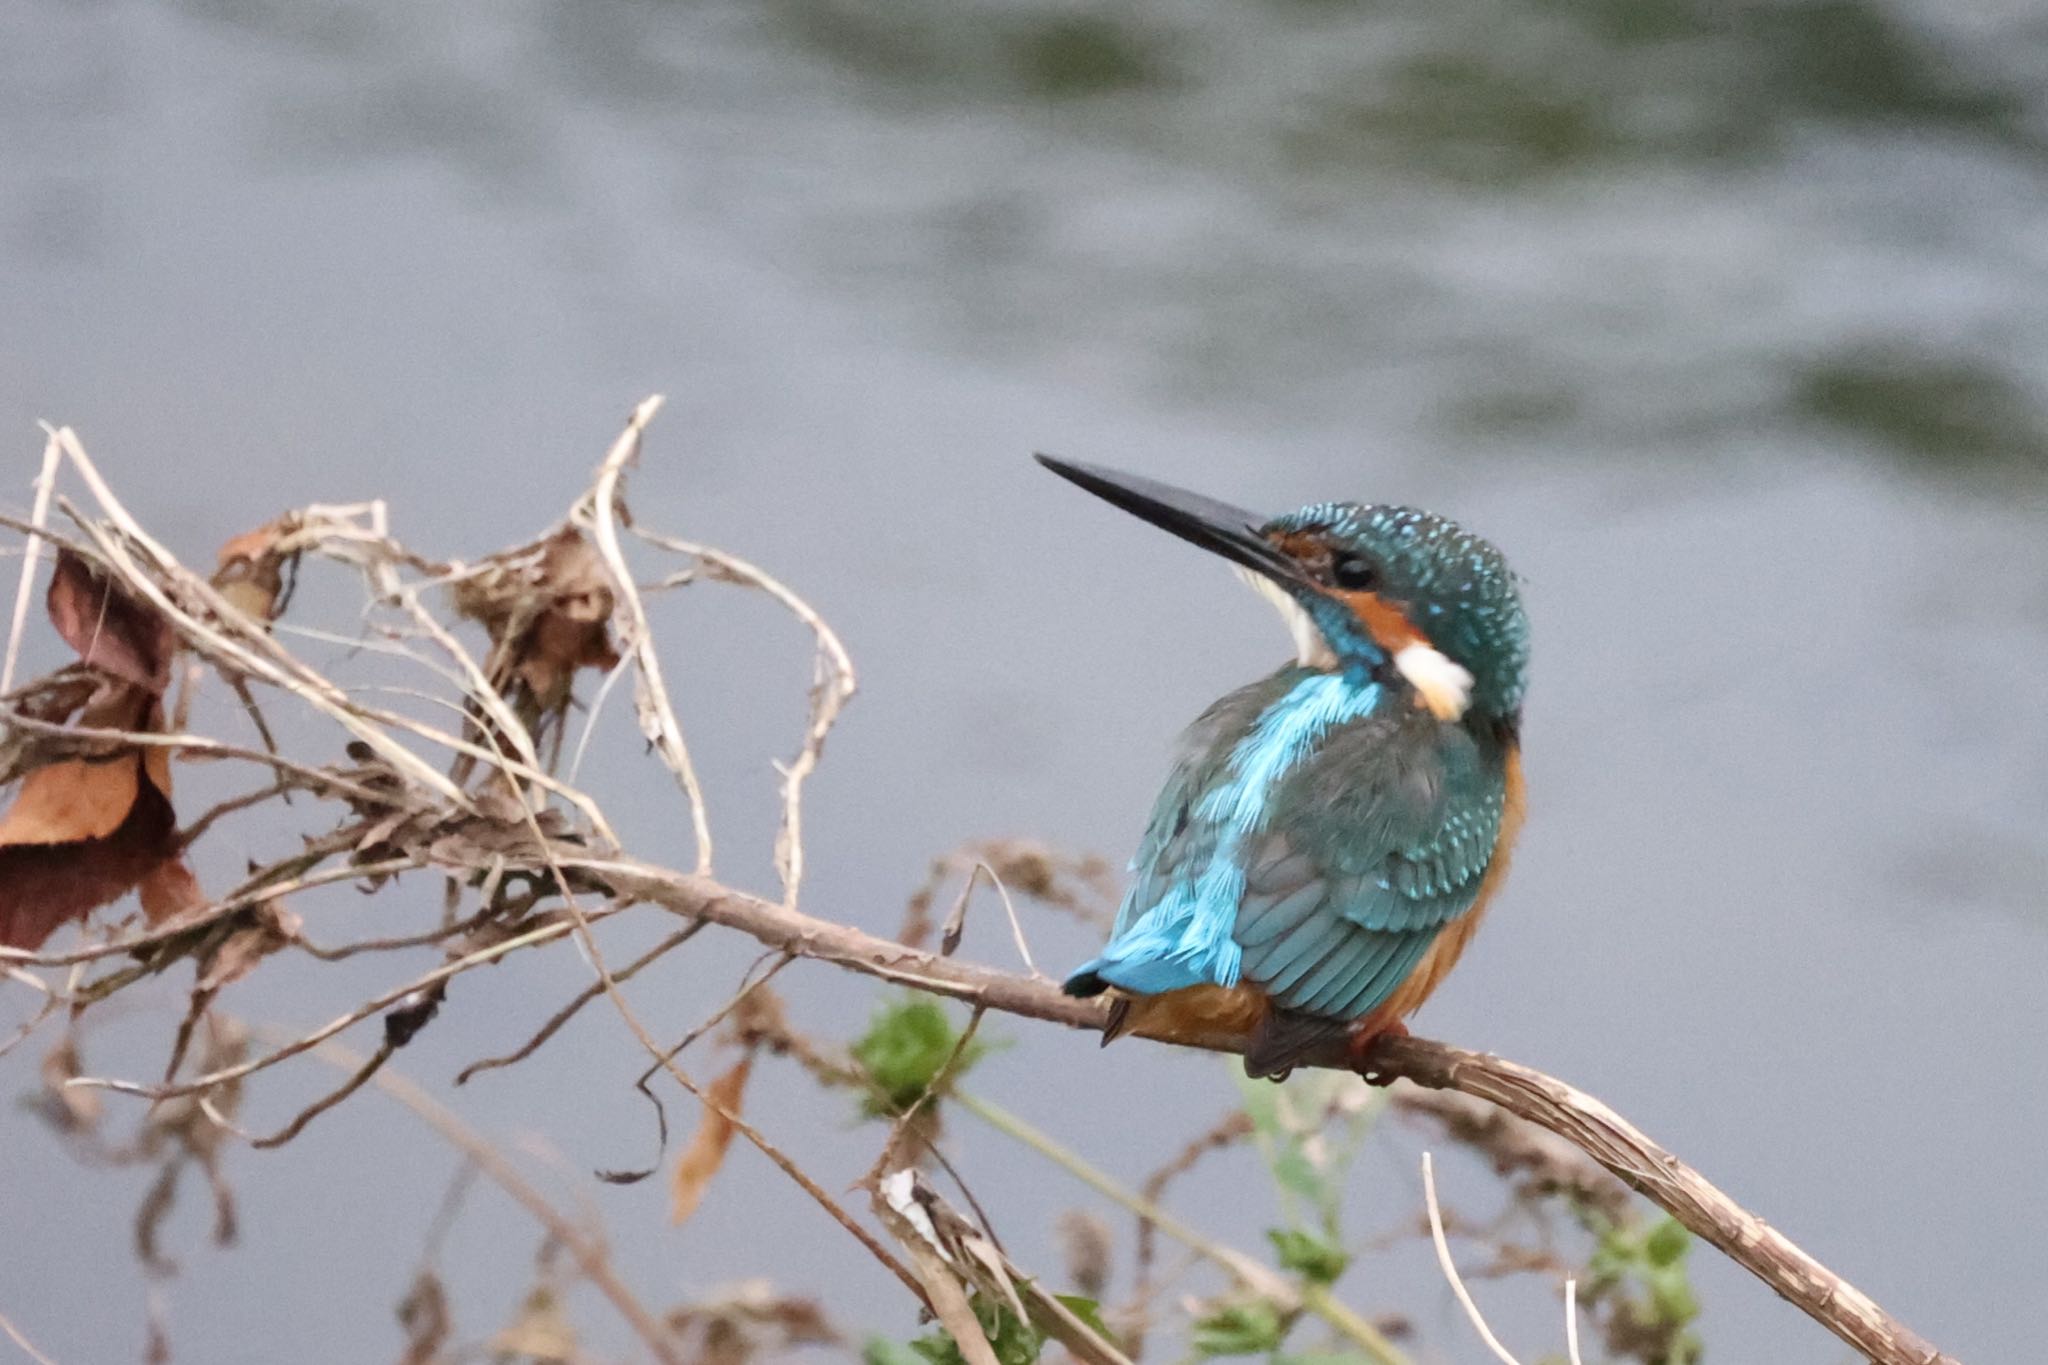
x=1178, y=1016
x=1443, y=954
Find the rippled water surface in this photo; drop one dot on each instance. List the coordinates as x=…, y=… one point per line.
x=1728, y=321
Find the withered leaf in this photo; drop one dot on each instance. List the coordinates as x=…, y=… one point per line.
x=169, y=890
x=706, y=1153
x=110, y=630
x=251, y=572
x=47, y=882
x=82, y=832
x=548, y=610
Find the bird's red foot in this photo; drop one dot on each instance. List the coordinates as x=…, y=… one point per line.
x=1359, y=1047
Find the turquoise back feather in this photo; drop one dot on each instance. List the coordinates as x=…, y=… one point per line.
x=1316, y=835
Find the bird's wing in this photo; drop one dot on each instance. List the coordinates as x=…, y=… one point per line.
x=1175, y=918
x=1375, y=846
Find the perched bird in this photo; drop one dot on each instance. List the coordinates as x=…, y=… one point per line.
x=1331, y=834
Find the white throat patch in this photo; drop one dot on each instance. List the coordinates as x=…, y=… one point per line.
x=1311, y=650
x=1443, y=684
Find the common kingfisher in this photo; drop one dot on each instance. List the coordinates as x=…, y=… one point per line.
x=1332, y=833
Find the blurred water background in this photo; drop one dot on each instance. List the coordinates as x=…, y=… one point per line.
x=1727, y=319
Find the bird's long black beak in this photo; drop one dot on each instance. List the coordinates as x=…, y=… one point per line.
x=1215, y=526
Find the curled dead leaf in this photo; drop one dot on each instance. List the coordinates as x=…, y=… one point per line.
x=81, y=832
x=749, y=1322
x=47, y=880
x=254, y=571
x=111, y=631
x=708, y=1145
x=548, y=609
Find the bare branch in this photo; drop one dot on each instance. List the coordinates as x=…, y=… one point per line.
x=832, y=685
x=31, y=552
x=657, y=714
x=1572, y=1114
x=590, y=1254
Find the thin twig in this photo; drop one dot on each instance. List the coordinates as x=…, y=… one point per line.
x=28, y=1347
x=657, y=714
x=576, y=1003
x=363, y=1073
x=1549, y=1103
x=376, y=1005
x=1571, y=1321
x=1450, y=1267
x=1251, y=1274
x=591, y=1257
x=833, y=684
x=30, y=553
x=639, y=1030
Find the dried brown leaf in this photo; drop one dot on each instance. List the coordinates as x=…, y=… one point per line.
x=81, y=832
x=169, y=890
x=46, y=884
x=251, y=572
x=548, y=610
x=706, y=1153
x=110, y=630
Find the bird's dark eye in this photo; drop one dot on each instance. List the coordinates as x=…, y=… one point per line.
x=1354, y=572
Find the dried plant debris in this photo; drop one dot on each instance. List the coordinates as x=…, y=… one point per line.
x=705, y=1154
x=258, y=568
x=174, y=1135
x=84, y=830
x=427, y=1320
x=547, y=608
x=1082, y=886
x=750, y=1321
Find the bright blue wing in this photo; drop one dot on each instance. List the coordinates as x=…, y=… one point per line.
x=1376, y=845
x=1326, y=887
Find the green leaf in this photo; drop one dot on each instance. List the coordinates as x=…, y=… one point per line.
x=1014, y=1341
x=1251, y=1327
x=1672, y=1296
x=1310, y=1256
x=881, y=1351
x=1667, y=1243
x=906, y=1046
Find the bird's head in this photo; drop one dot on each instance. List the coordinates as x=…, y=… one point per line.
x=1402, y=595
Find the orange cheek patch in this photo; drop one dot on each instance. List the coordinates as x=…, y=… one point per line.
x=1389, y=625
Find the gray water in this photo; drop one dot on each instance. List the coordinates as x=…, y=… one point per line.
x=1728, y=322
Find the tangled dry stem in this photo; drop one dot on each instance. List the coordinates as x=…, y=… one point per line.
x=406, y=809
